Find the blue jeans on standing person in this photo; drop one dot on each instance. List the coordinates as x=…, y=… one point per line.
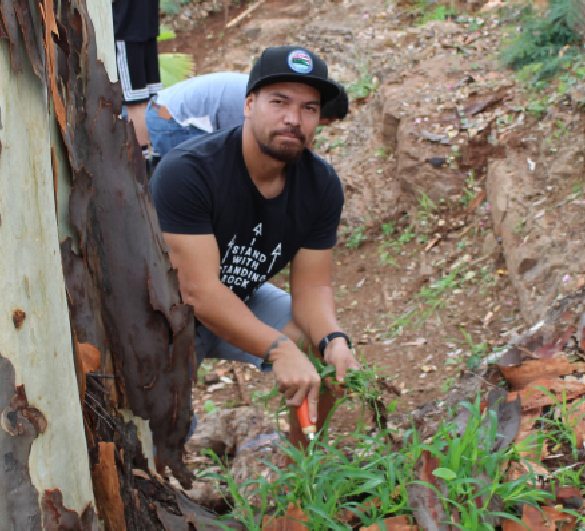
x=165, y=134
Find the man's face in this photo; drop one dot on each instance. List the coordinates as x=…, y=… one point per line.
x=283, y=119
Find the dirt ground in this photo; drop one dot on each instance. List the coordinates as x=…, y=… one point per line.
x=427, y=310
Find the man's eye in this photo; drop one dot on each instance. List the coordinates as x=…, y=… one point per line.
x=278, y=102
x=311, y=108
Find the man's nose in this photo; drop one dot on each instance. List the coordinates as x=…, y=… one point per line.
x=293, y=115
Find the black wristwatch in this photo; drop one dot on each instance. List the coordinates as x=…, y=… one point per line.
x=330, y=337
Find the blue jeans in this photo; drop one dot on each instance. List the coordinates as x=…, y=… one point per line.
x=165, y=134
x=269, y=304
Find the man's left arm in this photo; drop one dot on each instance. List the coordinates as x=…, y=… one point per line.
x=313, y=306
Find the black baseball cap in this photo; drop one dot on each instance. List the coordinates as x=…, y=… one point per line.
x=292, y=63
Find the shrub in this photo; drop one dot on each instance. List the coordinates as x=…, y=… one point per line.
x=547, y=41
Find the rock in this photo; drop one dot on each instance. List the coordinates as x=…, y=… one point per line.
x=226, y=430
x=390, y=125
x=211, y=378
x=569, y=162
x=541, y=246
x=490, y=245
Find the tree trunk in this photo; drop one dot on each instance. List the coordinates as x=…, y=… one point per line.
x=72, y=179
x=41, y=426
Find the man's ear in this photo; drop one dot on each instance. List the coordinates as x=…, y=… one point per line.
x=249, y=104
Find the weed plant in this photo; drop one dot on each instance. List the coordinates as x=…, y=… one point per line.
x=371, y=481
x=365, y=84
x=475, y=354
x=356, y=237
x=561, y=420
x=470, y=472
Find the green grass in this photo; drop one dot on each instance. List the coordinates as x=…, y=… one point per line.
x=438, y=13
x=560, y=421
x=356, y=237
x=466, y=458
x=365, y=85
x=475, y=351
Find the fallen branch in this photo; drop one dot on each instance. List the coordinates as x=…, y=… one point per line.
x=244, y=14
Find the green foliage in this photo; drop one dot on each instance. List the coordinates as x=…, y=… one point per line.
x=569, y=476
x=476, y=352
x=427, y=10
x=329, y=477
x=175, y=67
x=438, y=13
x=470, y=460
x=546, y=43
x=166, y=34
x=356, y=237
x=210, y=407
x=561, y=421
x=362, y=88
x=393, y=245
x=172, y=7
x=365, y=84
x=261, y=396
x=469, y=191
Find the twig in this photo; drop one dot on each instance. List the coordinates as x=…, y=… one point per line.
x=432, y=243
x=244, y=14
x=489, y=384
x=245, y=399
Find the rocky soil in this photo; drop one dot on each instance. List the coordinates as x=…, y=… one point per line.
x=465, y=198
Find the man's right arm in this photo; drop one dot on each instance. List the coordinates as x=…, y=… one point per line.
x=197, y=259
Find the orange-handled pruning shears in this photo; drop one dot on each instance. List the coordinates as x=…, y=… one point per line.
x=309, y=429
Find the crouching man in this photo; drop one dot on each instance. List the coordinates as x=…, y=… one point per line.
x=236, y=206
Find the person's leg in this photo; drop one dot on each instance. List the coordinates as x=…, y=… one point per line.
x=151, y=67
x=269, y=304
x=136, y=116
x=135, y=95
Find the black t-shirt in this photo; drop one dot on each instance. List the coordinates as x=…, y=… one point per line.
x=203, y=187
x=135, y=20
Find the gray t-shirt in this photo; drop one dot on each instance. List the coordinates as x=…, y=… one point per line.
x=209, y=102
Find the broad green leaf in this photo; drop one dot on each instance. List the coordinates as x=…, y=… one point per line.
x=175, y=67
x=444, y=473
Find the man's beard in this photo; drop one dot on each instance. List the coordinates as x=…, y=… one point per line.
x=285, y=155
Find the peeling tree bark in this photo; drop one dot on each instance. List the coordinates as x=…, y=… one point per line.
x=40, y=411
x=60, y=132
x=126, y=277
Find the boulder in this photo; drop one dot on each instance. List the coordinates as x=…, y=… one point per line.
x=538, y=217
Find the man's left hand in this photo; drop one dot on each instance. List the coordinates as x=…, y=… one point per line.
x=337, y=353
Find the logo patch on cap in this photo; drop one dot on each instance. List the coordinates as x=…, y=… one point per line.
x=300, y=61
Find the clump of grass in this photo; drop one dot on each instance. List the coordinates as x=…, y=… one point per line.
x=560, y=422
x=356, y=237
x=469, y=460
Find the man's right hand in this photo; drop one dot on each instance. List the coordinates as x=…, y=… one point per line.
x=295, y=375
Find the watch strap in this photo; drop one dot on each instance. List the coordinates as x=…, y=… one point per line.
x=330, y=337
